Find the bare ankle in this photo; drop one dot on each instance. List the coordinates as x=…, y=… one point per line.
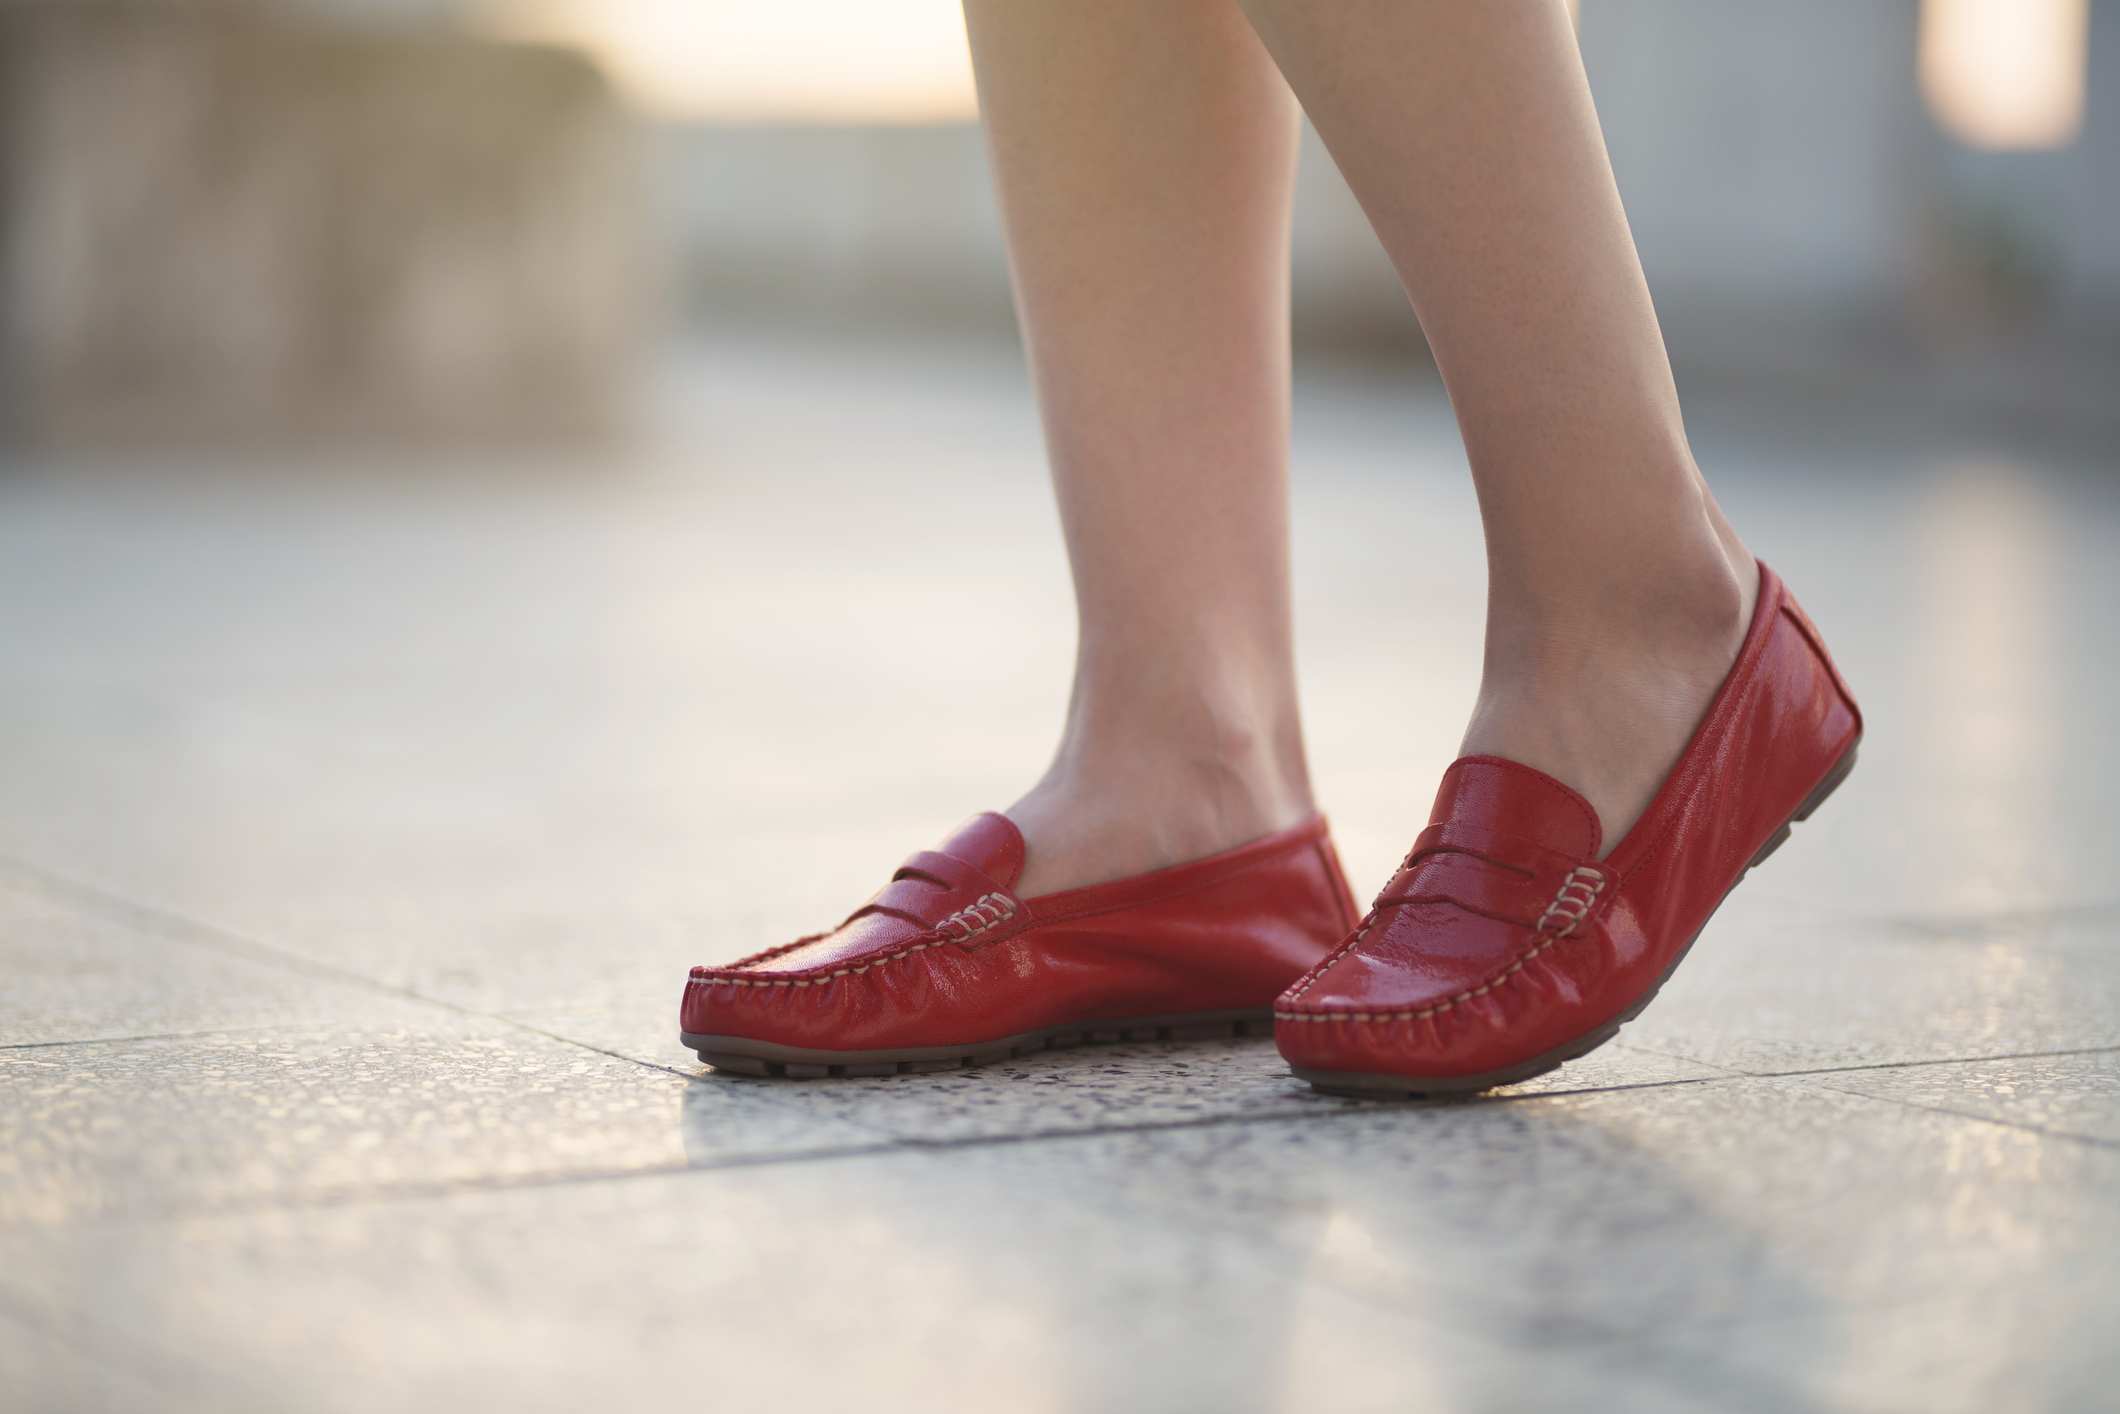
x=1604, y=692
x=1119, y=803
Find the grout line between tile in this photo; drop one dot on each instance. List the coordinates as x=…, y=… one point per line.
x=112, y=907
x=101, y=903
x=172, y=1035
x=584, y=1045
x=2094, y=1140
x=1882, y=1065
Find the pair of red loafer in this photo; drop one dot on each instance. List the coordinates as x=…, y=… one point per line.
x=1502, y=947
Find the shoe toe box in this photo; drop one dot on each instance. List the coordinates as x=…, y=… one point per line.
x=1430, y=989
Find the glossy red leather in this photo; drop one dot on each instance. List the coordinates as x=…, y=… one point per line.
x=948, y=955
x=1503, y=939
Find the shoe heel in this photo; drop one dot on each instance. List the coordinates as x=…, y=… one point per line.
x=1811, y=802
x=1779, y=838
x=1830, y=784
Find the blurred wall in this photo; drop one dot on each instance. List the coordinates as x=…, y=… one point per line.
x=1794, y=203
x=1771, y=157
x=832, y=224
x=225, y=221
x=1792, y=198
x=344, y=216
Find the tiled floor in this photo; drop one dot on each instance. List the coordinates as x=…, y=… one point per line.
x=359, y=818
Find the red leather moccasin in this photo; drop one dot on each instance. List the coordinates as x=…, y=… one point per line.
x=946, y=966
x=1504, y=945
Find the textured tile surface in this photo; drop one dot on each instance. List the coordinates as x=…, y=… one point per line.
x=72, y=976
x=359, y=825
x=1811, y=995
x=171, y=1126
x=1631, y=1249
x=2075, y=1095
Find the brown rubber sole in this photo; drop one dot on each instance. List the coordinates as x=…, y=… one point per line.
x=1367, y=1086
x=748, y=1057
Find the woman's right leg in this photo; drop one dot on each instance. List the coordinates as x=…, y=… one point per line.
x=1617, y=593
x=1144, y=156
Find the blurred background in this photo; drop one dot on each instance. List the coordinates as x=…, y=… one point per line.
x=490, y=218
x=485, y=488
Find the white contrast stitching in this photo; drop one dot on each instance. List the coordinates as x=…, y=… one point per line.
x=1308, y=837
x=1438, y=1008
x=1354, y=941
x=712, y=981
x=993, y=910
x=989, y=912
x=1574, y=900
x=1574, y=909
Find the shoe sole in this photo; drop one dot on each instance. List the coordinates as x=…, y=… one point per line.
x=764, y=1058
x=1368, y=1086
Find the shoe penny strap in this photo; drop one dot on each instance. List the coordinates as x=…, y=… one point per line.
x=934, y=890
x=1500, y=875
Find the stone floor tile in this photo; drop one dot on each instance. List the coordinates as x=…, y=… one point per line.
x=221, y=1122
x=1343, y=1354
x=75, y=977
x=1620, y=1215
x=1647, y=1249
x=1764, y=996
x=2073, y=1095
x=439, y=853
x=408, y=877
x=2041, y=1343
x=784, y=1288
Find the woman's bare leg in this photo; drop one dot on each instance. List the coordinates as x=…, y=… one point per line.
x=1144, y=154
x=1617, y=593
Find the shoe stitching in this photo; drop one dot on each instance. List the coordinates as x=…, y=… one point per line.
x=1755, y=647
x=1311, y=979
x=992, y=909
x=1574, y=909
x=989, y=911
x=773, y=952
x=935, y=938
x=1574, y=901
x=711, y=980
x=1345, y=948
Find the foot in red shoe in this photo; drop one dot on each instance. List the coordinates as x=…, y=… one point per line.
x=948, y=966
x=1506, y=945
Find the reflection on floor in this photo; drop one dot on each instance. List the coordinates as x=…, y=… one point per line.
x=359, y=819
